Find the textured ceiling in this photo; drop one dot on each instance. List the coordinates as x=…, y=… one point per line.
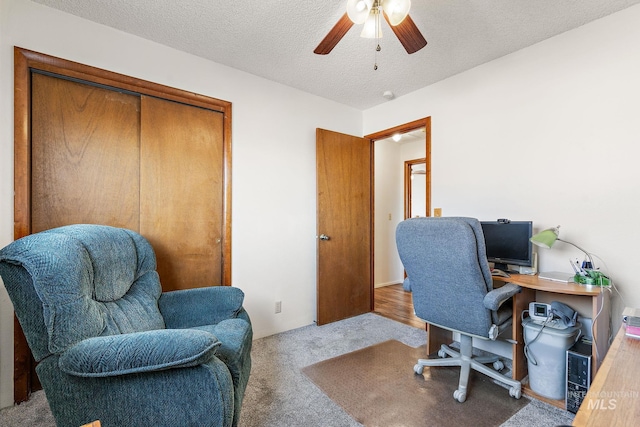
x=275, y=39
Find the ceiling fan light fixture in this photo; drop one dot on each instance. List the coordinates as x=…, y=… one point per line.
x=372, y=26
x=358, y=10
x=396, y=10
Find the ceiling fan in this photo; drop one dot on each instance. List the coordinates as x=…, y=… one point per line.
x=369, y=12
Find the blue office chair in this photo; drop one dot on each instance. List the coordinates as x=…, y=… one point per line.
x=452, y=288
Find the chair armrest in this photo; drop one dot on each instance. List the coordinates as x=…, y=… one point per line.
x=494, y=299
x=200, y=306
x=116, y=355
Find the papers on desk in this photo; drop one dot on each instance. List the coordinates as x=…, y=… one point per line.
x=556, y=276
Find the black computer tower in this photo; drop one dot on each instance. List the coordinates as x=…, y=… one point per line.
x=578, y=375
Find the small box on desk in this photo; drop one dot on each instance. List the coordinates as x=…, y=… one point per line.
x=631, y=322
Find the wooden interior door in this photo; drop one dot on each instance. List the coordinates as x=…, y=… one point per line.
x=181, y=189
x=345, y=206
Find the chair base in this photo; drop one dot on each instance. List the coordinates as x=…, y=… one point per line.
x=467, y=361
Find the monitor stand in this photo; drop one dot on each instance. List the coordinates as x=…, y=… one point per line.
x=501, y=266
x=504, y=267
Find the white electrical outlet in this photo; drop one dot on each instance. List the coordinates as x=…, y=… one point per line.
x=278, y=307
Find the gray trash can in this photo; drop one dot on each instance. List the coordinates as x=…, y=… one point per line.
x=546, y=348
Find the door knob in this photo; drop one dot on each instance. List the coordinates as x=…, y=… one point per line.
x=324, y=237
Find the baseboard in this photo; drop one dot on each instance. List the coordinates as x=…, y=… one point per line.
x=382, y=285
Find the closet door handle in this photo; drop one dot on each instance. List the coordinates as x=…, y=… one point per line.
x=323, y=237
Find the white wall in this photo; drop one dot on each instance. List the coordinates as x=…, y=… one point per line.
x=548, y=134
x=274, y=207
x=388, y=210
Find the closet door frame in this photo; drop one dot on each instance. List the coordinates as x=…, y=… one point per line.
x=24, y=62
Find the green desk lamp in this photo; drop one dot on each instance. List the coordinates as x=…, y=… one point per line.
x=588, y=276
x=546, y=239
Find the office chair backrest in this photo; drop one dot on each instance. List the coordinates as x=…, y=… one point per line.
x=445, y=260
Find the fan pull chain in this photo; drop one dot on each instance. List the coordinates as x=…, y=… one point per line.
x=378, y=48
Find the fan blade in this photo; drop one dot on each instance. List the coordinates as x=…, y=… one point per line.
x=335, y=35
x=408, y=34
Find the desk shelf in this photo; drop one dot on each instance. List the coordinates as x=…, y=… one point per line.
x=534, y=282
x=532, y=287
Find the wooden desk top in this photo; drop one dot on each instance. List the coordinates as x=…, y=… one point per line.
x=614, y=396
x=534, y=282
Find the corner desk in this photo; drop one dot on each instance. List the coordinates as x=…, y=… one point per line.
x=588, y=301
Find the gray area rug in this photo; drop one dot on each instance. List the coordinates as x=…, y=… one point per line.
x=280, y=395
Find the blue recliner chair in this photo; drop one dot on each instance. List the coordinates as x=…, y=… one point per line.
x=111, y=346
x=451, y=285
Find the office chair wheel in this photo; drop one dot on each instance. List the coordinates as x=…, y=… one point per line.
x=515, y=392
x=460, y=396
x=498, y=365
x=418, y=369
x=442, y=353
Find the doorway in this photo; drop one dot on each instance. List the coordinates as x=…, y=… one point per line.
x=415, y=181
x=402, y=188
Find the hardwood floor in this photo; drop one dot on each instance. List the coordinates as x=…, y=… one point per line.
x=395, y=303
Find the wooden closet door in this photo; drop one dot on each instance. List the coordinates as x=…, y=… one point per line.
x=182, y=191
x=84, y=169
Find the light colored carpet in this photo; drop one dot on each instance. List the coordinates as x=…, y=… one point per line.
x=280, y=395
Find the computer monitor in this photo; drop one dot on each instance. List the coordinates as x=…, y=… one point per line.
x=508, y=242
